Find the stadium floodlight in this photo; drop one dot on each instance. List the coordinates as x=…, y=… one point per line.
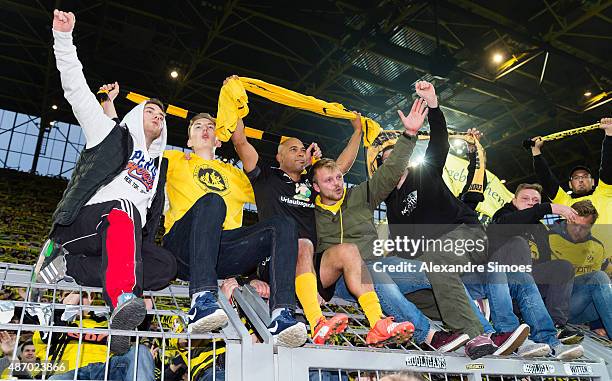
x=174, y=74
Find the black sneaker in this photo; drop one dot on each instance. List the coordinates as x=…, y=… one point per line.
x=569, y=336
x=51, y=265
x=448, y=341
x=128, y=315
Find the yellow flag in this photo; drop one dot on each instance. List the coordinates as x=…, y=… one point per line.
x=496, y=194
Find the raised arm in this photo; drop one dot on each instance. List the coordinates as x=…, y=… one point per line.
x=437, y=149
x=605, y=171
x=549, y=182
x=349, y=154
x=247, y=153
x=87, y=111
x=387, y=176
x=112, y=89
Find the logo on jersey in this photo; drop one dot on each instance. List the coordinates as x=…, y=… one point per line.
x=141, y=170
x=409, y=203
x=302, y=191
x=210, y=179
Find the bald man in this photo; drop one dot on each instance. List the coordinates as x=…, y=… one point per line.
x=286, y=190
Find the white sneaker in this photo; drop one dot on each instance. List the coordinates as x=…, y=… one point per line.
x=532, y=349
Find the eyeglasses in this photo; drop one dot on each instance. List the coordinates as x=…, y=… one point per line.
x=585, y=177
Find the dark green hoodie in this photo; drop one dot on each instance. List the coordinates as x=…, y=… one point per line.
x=354, y=222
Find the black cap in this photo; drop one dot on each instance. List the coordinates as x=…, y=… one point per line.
x=580, y=168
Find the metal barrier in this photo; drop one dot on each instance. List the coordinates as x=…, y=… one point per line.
x=348, y=358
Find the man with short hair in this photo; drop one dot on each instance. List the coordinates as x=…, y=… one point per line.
x=28, y=352
x=104, y=227
x=591, y=296
x=286, y=190
x=346, y=231
x=422, y=205
x=516, y=231
x=204, y=231
x=582, y=184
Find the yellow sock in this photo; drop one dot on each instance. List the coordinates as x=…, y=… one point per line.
x=371, y=307
x=306, y=290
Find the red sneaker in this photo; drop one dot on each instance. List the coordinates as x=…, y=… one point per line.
x=386, y=331
x=325, y=328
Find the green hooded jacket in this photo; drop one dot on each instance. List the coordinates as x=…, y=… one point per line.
x=354, y=222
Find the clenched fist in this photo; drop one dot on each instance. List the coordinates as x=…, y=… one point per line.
x=63, y=21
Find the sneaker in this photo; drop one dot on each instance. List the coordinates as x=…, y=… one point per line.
x=387, y=331
x=51, y=265
x=508, y=342
x=443, y=341
x=128, y=315
x=567, y=335
x=286, y=331
x=480, y=346
x=326, y=328
x=205, y=315
x=568, y=352
x=533, y=349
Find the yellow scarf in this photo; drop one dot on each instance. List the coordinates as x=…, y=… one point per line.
x=233, y=104
x=332, y=208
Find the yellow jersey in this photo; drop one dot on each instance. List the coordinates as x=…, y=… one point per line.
x=190, y=179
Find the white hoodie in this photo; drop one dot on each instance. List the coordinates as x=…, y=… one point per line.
x=138, y=180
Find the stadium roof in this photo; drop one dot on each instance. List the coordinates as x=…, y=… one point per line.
x=364, y=54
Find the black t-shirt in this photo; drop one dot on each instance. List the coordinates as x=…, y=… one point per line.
x=424, y=198
x=277, y=194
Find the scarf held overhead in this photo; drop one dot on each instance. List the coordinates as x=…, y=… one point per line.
x=233, y=104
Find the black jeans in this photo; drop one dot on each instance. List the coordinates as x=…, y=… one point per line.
x=205, y=252
x=106, y=249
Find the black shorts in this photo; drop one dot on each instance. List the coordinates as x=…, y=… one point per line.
x=326, y=293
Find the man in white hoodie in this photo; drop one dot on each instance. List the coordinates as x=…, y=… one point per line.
x=104, y=226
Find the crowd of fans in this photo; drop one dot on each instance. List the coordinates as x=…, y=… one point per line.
x=314, y=241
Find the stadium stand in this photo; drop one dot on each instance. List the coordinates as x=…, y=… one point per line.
x=28, y=204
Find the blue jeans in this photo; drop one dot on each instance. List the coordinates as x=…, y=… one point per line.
x=391, y=288
x=205, y=252
x=592, y=300
x=120, y=368
x=501, y=288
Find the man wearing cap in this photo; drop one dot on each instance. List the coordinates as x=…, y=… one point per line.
x=582, y=183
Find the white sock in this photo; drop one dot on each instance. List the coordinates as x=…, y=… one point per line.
x=197, y=295
x=276, y=313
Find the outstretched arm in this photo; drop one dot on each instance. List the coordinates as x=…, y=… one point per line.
x=387, y=176
x=247, y=153
x=549, y=182
x=349, y=154
x=605, y=171
x=87, y=111
x=109, y=105
x=437, y=149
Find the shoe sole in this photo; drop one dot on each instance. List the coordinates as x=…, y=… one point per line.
x=481, y=351
x=209, y=323
x=515, y=340
x=570, y=340
x=41, y=260
x=542, y=351
x=571, y=354
x=340, y=327
x=292, y=337
x=126, y=317
x=454, y=345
